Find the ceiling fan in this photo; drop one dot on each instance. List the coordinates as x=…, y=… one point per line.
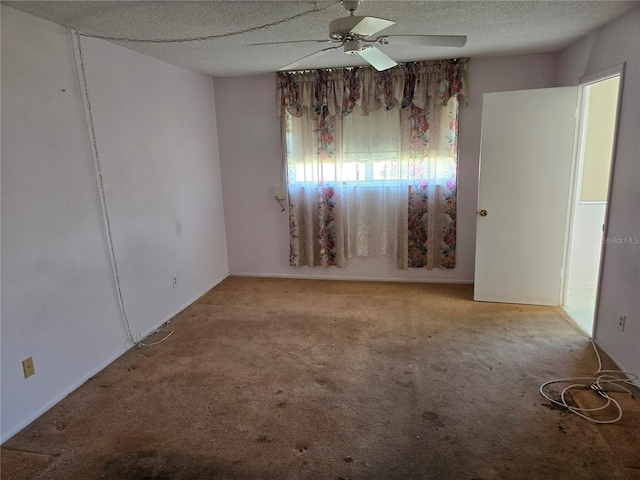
x=352, y=33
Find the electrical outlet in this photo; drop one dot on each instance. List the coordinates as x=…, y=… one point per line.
x=28, y=368
x=174, y=280
x=622, y=320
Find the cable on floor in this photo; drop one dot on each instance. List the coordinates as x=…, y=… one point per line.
x=140, y=342
x=599, y=383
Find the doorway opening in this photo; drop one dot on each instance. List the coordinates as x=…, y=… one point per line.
x=594, y=162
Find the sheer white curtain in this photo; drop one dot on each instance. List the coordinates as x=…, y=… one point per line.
x=362, y=175
x=375, y=192
x=372, y=163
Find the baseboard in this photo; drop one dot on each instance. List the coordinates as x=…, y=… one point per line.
x=353, y=278
x=270, y=275
x=636, y=382
x=184, y=306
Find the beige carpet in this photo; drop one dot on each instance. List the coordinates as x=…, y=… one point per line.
x=302, y=379
x=18, y=464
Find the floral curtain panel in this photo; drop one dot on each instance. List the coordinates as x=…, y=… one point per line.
x=382, y=181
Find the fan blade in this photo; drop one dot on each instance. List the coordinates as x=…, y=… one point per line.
x=293, y=41
x=380, y=61
x=294, y=65
x=370, y=25
x=423, y=40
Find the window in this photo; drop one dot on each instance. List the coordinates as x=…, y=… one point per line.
x=370, y=151
x=375, y=175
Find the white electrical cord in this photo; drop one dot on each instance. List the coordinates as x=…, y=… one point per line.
x=596, y=383
x=315, y=9
x=105, y=209
x=96, y=157
x=141, y=344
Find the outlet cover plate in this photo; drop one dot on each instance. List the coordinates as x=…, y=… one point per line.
x=28, y=368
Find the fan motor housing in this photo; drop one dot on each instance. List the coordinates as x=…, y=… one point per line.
x=340, y=28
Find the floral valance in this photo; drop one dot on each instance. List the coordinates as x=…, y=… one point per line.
x=364, y=89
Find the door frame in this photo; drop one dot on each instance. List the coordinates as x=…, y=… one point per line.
x=576, y=169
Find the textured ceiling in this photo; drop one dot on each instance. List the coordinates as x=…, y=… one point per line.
x=492, y=28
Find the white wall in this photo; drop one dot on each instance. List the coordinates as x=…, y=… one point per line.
x=156, y=132
x=612, y=45
x=251, y=164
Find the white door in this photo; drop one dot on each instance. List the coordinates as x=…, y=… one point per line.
x=523, y=194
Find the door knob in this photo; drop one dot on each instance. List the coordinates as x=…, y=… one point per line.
x=483, y=213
